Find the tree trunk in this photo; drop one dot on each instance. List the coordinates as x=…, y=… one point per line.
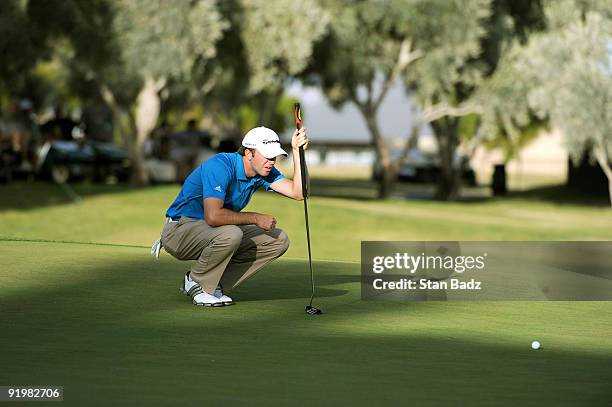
x=499, y=183
x=603, y=161
x=385, y=184
x=147, y=113
x=449, y=180
x=383, y=155
x=122, y=120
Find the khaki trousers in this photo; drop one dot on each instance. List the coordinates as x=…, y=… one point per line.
x=227, y=254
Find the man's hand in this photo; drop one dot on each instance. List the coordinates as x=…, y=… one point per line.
x=299, y=139
x=216, y=215
x=265, y=222
x=293, y=188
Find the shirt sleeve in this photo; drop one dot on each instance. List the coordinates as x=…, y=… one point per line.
x=274, y=176
x=216, y=178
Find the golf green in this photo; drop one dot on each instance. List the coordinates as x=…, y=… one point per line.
x=109, y=325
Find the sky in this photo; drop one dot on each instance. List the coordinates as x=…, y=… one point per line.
x=324, y=123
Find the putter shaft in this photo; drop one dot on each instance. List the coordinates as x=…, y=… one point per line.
x=304, y=175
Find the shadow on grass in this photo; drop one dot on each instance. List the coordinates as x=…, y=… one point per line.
x=357, y=189
x=296, y=285
x=161, y=281
x=121, y=335
x=559, y=194
x=26, y=196
x=32, y=195
x=365, y=190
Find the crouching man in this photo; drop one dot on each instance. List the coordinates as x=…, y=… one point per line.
x=205, y=222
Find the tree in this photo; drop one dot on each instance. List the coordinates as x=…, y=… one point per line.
x=278, y=38
x=234, y=56
x=506, y=120
x=570, y=69
x=158, y=41
x=264, y=45
x=371, y=44
x=454, y=83
x=52, y=32
x=17, y=51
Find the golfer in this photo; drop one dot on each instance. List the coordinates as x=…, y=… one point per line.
x=205, y=222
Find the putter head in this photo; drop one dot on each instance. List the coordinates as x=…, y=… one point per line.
x=312, y=310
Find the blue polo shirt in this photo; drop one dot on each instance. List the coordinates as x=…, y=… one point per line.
x=223, y=177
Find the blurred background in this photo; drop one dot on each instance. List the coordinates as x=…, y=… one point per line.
x=471, y=101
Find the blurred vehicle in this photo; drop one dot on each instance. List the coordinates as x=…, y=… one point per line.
x=61, y=161
x=176, y=169
x=172, y=157
x=419, y=166
x=18, y=137
x=189, y=148
x=110, y=162
x=9, y=161
x=14, y=167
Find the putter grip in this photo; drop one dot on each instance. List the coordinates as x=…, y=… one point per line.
x=303, y=172
x=303, y=169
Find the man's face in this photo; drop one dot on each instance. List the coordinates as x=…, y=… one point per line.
x=262, y=165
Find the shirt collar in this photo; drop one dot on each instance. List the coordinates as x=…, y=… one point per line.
x=240, y=174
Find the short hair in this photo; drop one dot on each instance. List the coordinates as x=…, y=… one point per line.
x=243, y=149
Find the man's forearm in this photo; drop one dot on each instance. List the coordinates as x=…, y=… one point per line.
x=224, y=216
x=297, y=174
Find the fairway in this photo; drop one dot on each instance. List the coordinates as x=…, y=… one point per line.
x=108, y=323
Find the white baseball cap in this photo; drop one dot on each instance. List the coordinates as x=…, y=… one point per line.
x=265, y=140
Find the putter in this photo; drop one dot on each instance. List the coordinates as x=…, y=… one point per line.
x=309, y=309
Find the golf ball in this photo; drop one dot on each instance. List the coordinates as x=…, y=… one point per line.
x=535, y=345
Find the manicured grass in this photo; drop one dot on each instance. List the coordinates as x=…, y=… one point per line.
x=135, y=216
x=108, y=323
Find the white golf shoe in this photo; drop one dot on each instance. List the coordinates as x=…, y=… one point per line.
x=199, y=296
x=226, y=299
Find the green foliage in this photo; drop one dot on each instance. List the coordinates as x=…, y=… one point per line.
x=248, y=118
x=85, y=24
x=167, y=38
x=47, y=46
x=278, y=38
x=262, y=46
x=17, y=51
x=24, y=42
x=281, y=109
x=365, y=38
x=507, y=120
x=568, y=73
x=467, y=126
x=362, y=41
x=512, y=143
x=451, y=41
x=51, y=79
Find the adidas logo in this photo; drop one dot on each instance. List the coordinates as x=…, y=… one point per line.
x=218, y=188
